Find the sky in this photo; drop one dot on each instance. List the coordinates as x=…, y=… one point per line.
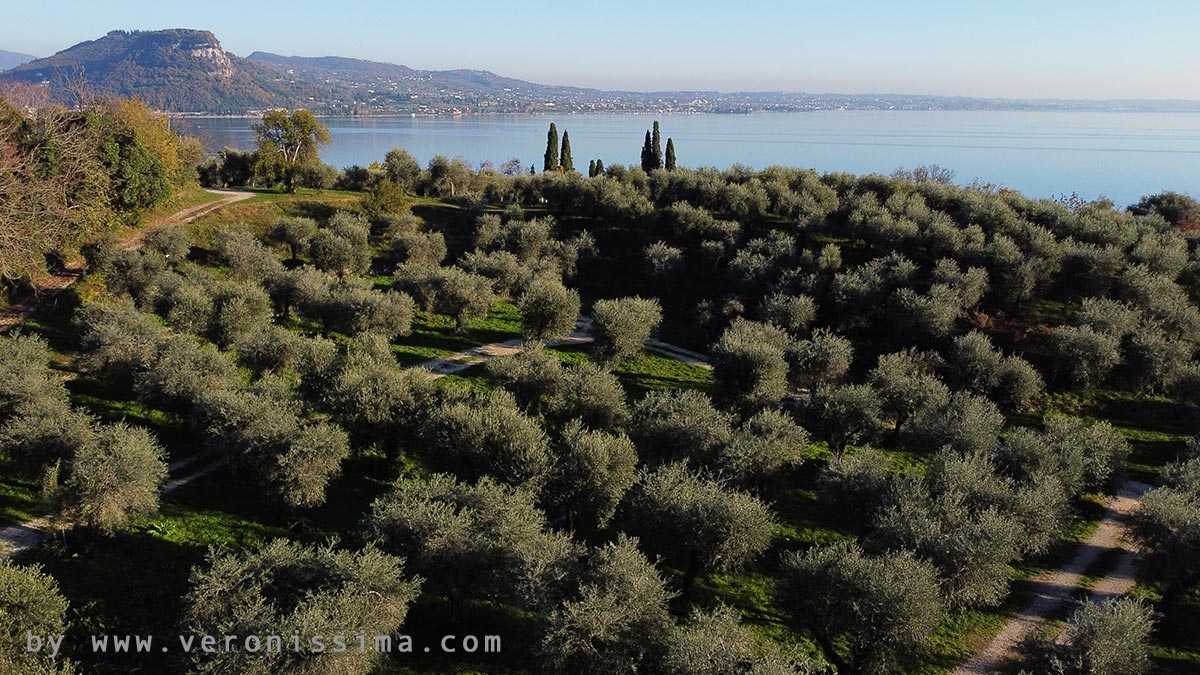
x=987, y=48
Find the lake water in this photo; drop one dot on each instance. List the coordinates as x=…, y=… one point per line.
x=1043, y=154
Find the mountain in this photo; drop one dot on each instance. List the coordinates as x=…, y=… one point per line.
x=13, y=59
x=178, y=70
x=187, y=71
x=381, y=87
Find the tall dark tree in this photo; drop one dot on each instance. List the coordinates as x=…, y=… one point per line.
x=670, y=160
x=551, y=158
x=566, y=164
x=647, y=154
x=591, y=168
x=656, y=147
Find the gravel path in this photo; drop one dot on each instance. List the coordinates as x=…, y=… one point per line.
x=1054, y=590
x=460, y=361
x=16, y=539
x=45, y=290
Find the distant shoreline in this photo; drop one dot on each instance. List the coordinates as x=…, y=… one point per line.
x=630, y=113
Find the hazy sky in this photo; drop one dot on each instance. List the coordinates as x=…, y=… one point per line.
x=1009, y=48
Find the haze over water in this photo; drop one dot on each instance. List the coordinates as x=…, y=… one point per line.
x=1043, y=154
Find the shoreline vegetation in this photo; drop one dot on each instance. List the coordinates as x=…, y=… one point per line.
x=806, y=422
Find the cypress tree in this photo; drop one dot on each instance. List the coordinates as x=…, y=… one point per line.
x=656, y=147
x=599, y=167
x=551, y=159
x=647, y=154
x=591, y=168
x=567, y=164
x=532, y=169
x=670, y=162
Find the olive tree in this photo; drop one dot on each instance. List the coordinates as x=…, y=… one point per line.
x=762, y=449
x=488, y=435
x=532, y=374
x=974, y=364
x=1079, y=456
x=548, y=310
x=591, y=394
x=966, y=422
x=679, y=424
x=295, y=232
x=849, y=414
x=716, y=643
x=593, y=471
x=354, y=308
x=970, y=522
x=481, y=540
x=172, y=242
x=33, y=604
x=885, y=606
x=375, y=399
x=343, y=246
x=1167, y=527
x=1103, y=638
x=698, y=522
x=622, y=326
x=280, y=589
x=907, y=385
x=1083, y=356
x=856, y=483
x=115, y=479
x=793, y=313
x=246, y=256
x=750, y=365
x=421, y=248
x=239, y=310
x=614, y=623
x=821, y=360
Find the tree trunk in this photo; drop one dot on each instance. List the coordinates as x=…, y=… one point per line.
x=831, y=654
x=689, y=575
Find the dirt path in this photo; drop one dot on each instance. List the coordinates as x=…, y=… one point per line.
x=46, y=289
x=17, y=539
x=1056, y=589
x=460, y=361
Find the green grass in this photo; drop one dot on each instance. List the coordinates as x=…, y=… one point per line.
x=434, y=336
x=19, y=498
x=1157, y=427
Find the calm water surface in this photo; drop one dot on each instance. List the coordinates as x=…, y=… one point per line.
x=1044, y=154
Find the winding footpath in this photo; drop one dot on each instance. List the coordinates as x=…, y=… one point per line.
x=1054, y=591
x=45, y=290
x=16, y=539
x=460, y=361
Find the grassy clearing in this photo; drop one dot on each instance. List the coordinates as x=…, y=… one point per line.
x=434, y=337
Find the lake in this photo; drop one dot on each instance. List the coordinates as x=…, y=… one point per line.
x=1043, y=154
